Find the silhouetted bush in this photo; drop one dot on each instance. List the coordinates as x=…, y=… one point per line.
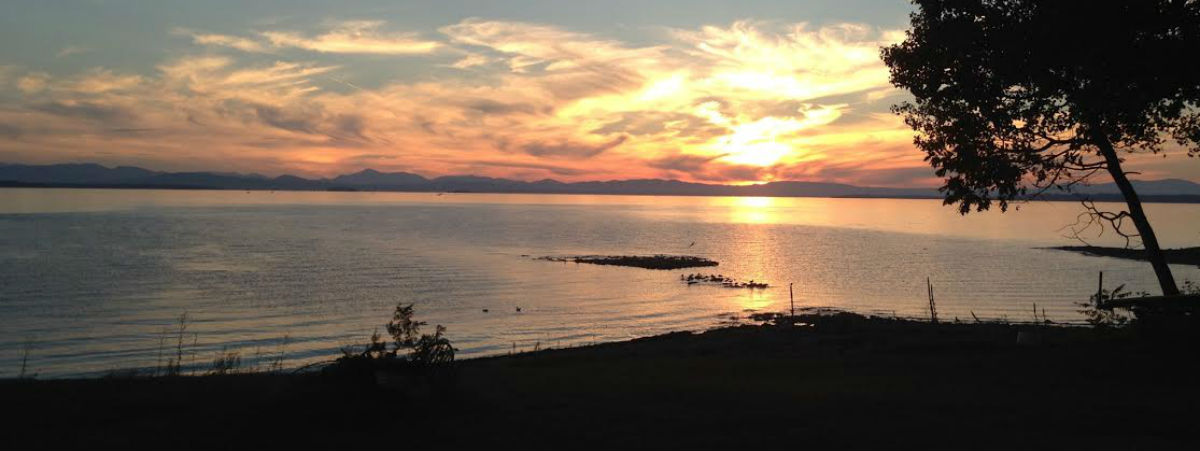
x=226, y=362
x=433, y=350
x=1190, y=288
x=414, y=358
x=1108, y=317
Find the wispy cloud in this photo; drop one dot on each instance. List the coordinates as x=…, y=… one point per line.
x=744, y=102
x=222, y=40
x=471, y=60
x=351, y=37
x=100, y=80
x=355, y=37
x=71, y=50
x=33, y=82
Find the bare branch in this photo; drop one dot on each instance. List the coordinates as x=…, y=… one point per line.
x=1095, y=217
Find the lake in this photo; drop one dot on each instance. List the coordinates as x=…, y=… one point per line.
x=93, y=280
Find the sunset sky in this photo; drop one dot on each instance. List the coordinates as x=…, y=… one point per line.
x=729, y=92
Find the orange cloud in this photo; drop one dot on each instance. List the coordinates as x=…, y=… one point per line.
x=740, y=103
x=355, y=37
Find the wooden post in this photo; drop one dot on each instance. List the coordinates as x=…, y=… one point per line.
x=932, y=306
x=1100, y=292
x=792, y=299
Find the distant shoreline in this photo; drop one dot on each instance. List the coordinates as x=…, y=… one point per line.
x=92, y=175
x=1181, y=256
x=1165, y=199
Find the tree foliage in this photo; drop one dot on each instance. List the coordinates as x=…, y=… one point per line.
x=1014, y=97
x=404, y=329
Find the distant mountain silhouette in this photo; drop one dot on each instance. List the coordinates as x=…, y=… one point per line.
x=73, y=173
x=371, y=177
x=95, y=175
x=1165, y=187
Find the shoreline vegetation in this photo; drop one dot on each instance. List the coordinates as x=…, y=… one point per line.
x=1181, y=256
x=657, y=261
x=846, y=380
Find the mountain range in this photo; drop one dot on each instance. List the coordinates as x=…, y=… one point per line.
x=98, y=176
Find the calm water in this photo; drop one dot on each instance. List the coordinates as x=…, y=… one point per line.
x=92, y=277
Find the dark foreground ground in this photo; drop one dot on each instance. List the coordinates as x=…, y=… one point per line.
x=846, y=382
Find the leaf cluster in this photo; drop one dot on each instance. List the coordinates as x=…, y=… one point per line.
x=1013, y=97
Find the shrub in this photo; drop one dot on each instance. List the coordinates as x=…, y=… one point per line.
x=1111, y=317
x=1190, y=288
x=405, y=330
x=432, y=350
x=226, y=362
x=409, y=348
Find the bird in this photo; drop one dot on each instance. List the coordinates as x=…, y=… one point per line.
x=518, y=309
x=693, y=244
x=485, y=310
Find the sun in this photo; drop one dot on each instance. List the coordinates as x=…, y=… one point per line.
x=758, y=143
x=757, y=154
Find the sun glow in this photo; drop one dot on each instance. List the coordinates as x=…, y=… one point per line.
x=742, y=103
x=753, y=210
x=755, y=300
x=757, y=143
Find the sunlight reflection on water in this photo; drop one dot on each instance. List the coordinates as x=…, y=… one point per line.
x=93, y=276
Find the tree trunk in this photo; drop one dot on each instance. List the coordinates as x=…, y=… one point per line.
x=1153, y=253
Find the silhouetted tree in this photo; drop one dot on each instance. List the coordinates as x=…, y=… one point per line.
x=408, y=343
x=1015, y=97
x=424, y=349
x=405, y=330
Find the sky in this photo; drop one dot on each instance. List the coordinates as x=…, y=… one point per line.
x=719, y=92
